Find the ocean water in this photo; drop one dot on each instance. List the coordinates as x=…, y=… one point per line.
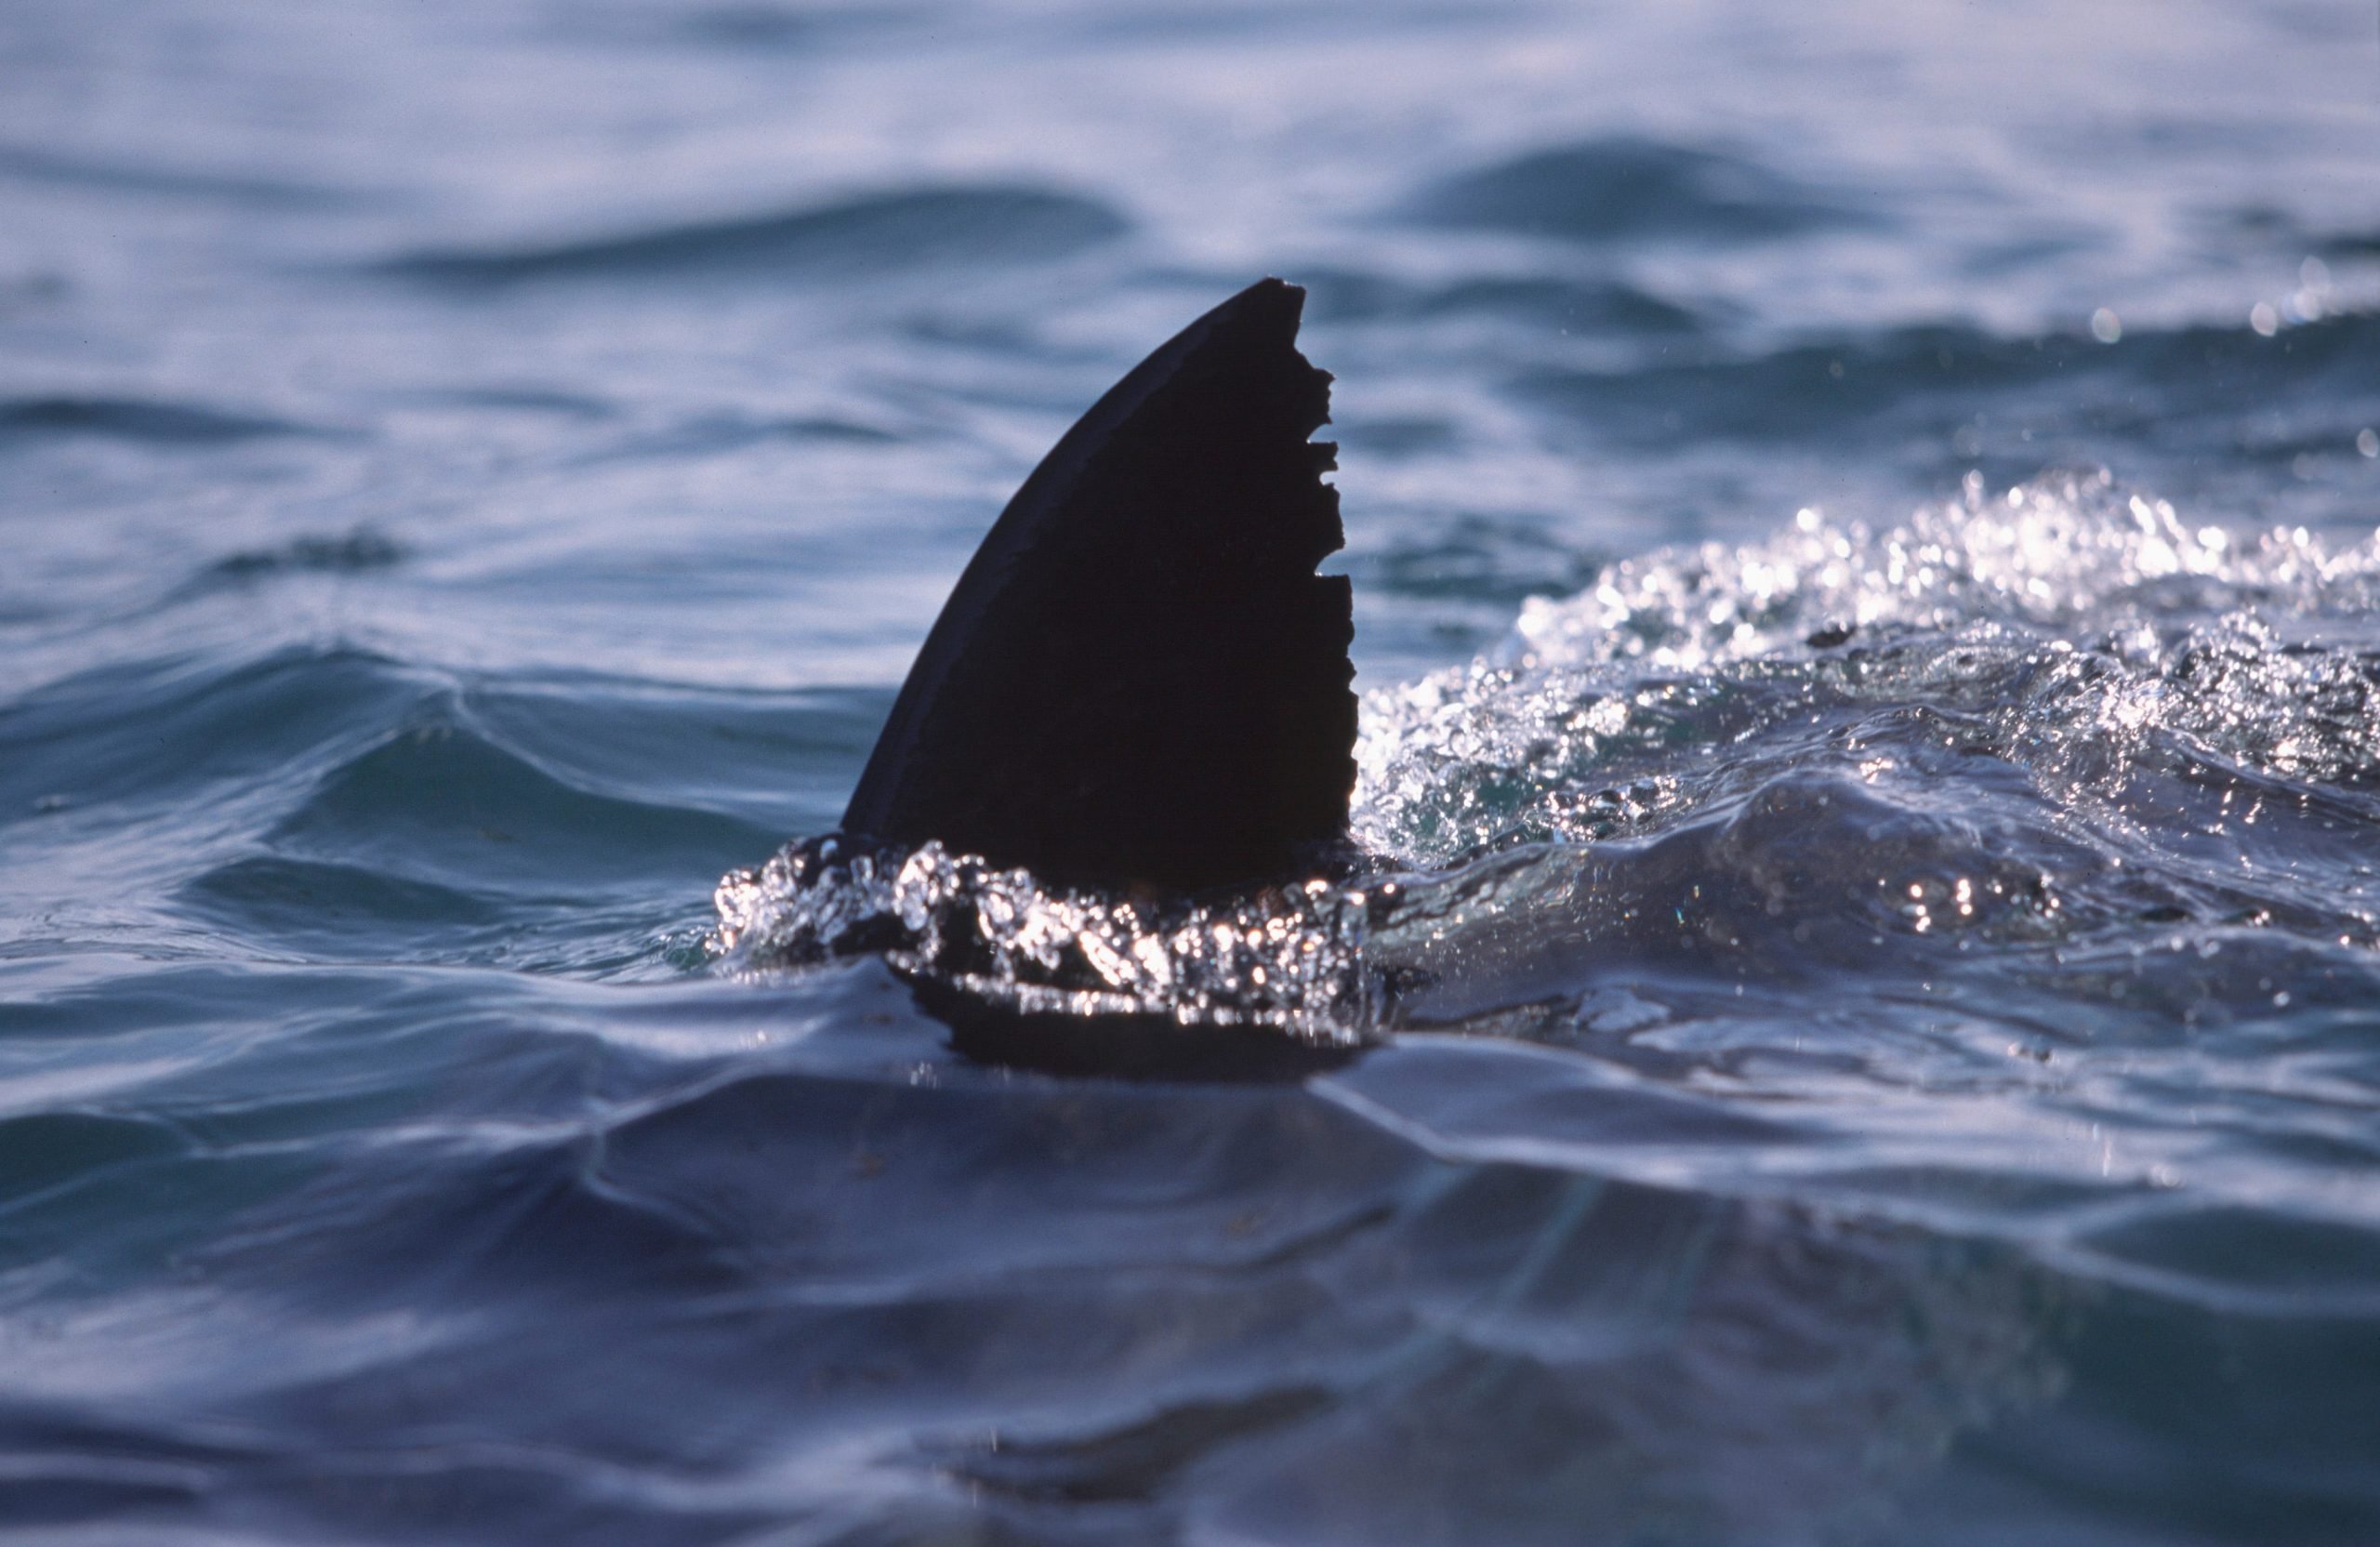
x=1862, y=1024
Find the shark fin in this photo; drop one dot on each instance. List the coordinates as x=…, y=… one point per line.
x=1139, y=677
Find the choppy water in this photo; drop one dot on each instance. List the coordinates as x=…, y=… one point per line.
x=1862, y=1027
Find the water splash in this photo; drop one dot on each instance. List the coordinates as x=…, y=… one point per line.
x=2081, y=628
x=1289, y=957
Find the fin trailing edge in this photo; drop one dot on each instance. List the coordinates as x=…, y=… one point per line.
x=1139, y=677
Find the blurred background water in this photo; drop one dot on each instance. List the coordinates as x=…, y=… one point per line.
x=1904, y=1068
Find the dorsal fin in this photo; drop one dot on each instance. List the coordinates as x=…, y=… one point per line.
x=1139, y=677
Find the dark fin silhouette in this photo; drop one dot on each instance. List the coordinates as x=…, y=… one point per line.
x=1140, y=678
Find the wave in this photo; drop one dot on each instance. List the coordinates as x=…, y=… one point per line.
x=713, y=434
x=441, y=802
x=31, y=164
x=40, y=1151
x=168, y=732
x=1580, y=305
x=1956, y=383
x=901, y=228
x=1300, y=1292
x=747, y=25
x=144, y=420
x=334, y=804
x=1498, y=562
x=873, y=1287
x=1626, y=187
x=349, y=554
x=2082, y=621
x=332, y=912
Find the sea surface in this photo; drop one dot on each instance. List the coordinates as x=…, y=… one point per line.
x=1864, y=1020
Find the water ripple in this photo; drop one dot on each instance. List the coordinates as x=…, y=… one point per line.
x=1625, y=188
x=138, y=420
x=898, y=230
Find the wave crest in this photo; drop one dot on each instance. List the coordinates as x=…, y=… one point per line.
x=2077, y=626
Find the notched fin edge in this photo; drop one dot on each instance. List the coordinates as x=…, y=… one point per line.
x=1140, y=677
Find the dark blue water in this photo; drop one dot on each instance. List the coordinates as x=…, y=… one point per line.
x=1862, y=530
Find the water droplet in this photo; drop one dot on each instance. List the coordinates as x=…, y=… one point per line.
x=2264, y=319
x=2106, y=327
